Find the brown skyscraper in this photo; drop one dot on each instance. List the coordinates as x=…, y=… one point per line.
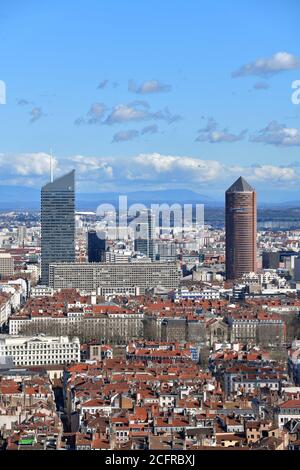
x=240, y=227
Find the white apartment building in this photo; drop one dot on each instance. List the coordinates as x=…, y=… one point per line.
x=41, y=291
x=287, y=411
x=265, y=277
x=206, y=294
x=40, y=349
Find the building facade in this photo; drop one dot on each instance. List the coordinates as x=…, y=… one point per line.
x=91, y=277
x=270, y=259
x=240, y=226
x=40, y=349
x=57, y=223
x=145, y=234
x=96, y=247
x=267, y=331
x=6, y=265
x=108, y=328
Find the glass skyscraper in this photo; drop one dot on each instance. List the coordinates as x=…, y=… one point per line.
x=57, y=223
x=145, y=234
x=96, y=247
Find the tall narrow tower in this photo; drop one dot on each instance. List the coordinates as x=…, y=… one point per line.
x=240, y=227
x=96, y=247
x=145, y=234
x=57, y=223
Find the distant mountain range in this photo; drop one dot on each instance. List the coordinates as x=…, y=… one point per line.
x=24, y=198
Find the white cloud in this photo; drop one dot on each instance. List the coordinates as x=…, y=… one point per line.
x=124, y=136
x=93, y=116
x=27, y=164
x=126, y=113
x=143, y=171
x=136, y=103
x=279, y=62
x=33, y=164
x=277, y=134
x=90, y=165
x=162, y=168
x=212, y=134
x=136, y=111
x=96, y=113
x=179, y=167
x=149, y=86
x=36, y=114
x=123, y=113
x=152, y=129
x=274, y=173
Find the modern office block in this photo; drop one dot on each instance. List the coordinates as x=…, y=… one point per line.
x=270, y=259
x=57, y=223
x=145, y=235
x=96, y=247
x=90, y=277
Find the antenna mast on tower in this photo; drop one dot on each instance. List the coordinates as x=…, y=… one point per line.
x=51, y=166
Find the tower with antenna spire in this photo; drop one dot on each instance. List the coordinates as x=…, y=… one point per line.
x=57, y=223
x=51, y=166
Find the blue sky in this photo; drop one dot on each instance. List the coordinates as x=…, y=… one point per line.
x=151, y=95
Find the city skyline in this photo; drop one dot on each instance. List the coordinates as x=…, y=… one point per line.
x=149, y=230
x=149, y=120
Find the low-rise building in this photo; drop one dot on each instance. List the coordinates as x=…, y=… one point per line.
x=287, y=411
x=40, y=349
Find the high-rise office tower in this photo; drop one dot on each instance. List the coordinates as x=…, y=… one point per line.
x=145, y=234
x=96, y=247
x=270, y=259
x=240, y=226
x=57, y=223
x=297, y=269
x=166, y=250
x=21, y=231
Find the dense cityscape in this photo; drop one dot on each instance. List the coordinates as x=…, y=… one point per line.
x=149, y=233
x=151, y=341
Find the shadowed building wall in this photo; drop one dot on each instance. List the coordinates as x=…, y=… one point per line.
x=96, y=247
